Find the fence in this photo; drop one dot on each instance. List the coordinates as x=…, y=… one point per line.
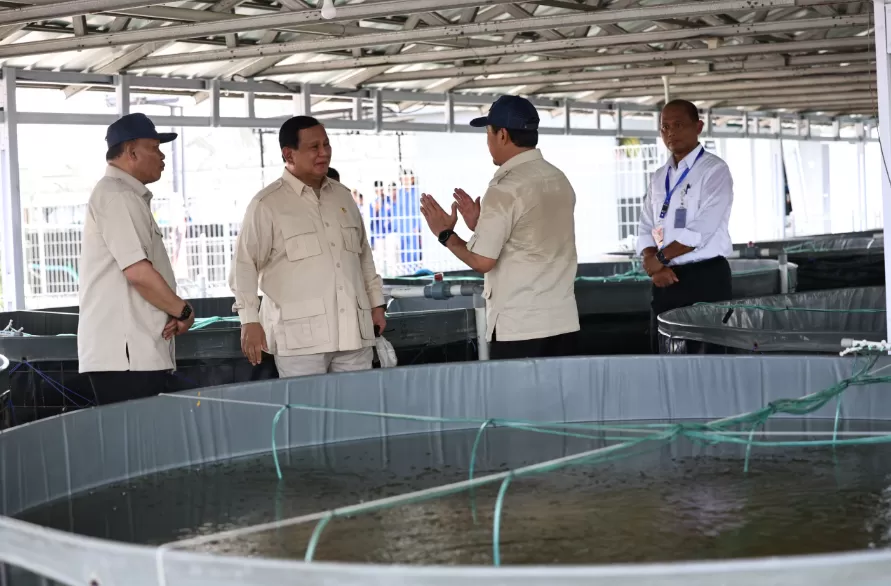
x=635, y=166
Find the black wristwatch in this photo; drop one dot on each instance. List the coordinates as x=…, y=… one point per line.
x=661, y=258
x=186, y=313
x=444, y=236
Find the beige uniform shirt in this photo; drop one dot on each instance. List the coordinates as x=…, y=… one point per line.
x=527, y=224
x=118, y=329
x=310, y=257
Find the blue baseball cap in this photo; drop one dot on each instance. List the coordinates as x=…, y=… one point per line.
x=511, y=112
x=133, y=127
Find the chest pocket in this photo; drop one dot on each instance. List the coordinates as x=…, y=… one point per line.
x=301, y=239
x=159, y=257
x=351, y=231
x=156, y=247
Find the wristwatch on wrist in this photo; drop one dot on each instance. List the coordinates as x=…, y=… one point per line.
x=661, y=258
x=186, y=313
x=444, y=236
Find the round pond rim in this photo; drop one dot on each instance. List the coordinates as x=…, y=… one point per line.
x=69, y=558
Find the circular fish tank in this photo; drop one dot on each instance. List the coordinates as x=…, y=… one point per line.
x=605, y=470
x=804, y=323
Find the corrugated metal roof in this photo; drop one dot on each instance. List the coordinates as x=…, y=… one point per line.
x=807, y=55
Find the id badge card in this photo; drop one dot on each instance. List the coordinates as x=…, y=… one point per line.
x=658, y=235
x=680, y=218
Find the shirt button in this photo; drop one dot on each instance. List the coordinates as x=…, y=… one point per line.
x=341, y=288
x=327, y=225
x=332, y=244
x=338, y=265
x=341, y=311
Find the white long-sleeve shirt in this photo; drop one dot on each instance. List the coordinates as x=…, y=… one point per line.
x=706, y=193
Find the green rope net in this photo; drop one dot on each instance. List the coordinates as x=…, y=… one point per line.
x=628, y=440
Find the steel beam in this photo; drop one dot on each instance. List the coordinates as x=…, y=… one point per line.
x=679, y=75
x=564, y=44
x=346, y=13
x=740, y=67
x=529, y=24
x=45, y=118
x=575, y=63
x=703, y=84
x=70, y=8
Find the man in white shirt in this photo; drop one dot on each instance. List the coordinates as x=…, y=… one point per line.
x=523, y=242
x=684, y=237
x=129, y=309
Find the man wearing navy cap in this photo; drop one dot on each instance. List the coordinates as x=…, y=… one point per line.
x=129, y=309
x=523, y=241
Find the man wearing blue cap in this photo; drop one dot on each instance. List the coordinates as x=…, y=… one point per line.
x=129, y=309
x=523, y=241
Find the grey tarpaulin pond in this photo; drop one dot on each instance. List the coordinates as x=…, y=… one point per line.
x=89, y=449
x=613, y=303
x=829, y=261
x=810, y=322
x=825, y=261
x=613, y=298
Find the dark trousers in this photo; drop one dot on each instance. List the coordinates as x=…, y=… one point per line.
x=116, y=386
x=704, y=281
x=550, y=347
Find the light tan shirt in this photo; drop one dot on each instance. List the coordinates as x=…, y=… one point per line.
x=310, y=257
x=527, y=224
x=118, y=329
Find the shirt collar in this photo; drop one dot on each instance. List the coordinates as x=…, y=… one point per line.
x=130, y=181
x=516, y=161
x=298, y=185
x=686, y=162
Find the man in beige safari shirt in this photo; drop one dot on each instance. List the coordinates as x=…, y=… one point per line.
x=524, y=239
x=129, y=309
x=303, y=244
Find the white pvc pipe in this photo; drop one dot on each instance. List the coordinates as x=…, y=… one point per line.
x=784, y=272
x=4, y=362
x=479, y=310
x=400, y=292
x=404, y=292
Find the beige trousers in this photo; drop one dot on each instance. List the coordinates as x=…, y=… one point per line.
x=290, y=366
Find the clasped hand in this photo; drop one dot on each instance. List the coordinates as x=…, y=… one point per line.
x=662, y=275
x=175, y=327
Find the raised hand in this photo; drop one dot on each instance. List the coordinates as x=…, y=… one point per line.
x=438, y=220
x=468, y=207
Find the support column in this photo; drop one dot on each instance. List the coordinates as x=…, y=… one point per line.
x=449, y=112
x=883, y=71
x=215, y=103
x=303, y=101
x=378, y=110
x=250, y=105
x=567, y=117
x=862, y=220
x=13, y=245
x=122, y=94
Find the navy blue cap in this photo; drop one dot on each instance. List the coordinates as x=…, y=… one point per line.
x=132, y=127
x=511, y=112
